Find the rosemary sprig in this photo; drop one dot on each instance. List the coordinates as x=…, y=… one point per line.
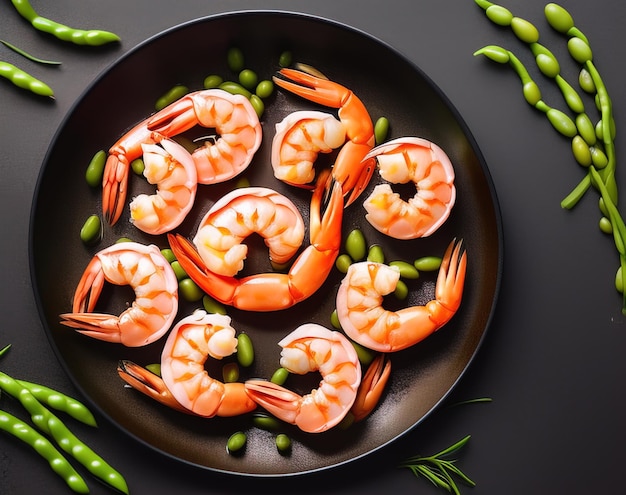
x=438, y=469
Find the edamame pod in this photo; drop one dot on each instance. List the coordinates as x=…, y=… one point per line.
x=235, y=89
x=559, y=18
x=212, y=81
x=235, y=59
x=407, y=270
x=95, y=169
x=230, y=372
x=265, y=422
x=248, y=79
x=264, y=89
x=245, y=350
x=579, y=50
x=343, y=262
x=91, y=230
x=175, y=93
x=581, y=151
x=499, y=15
x=236, y=442
x=283, y=443
x=355, y=245
x=212, y=306
x=279, y=377
x=381, y=129
x=24, y=80
x=189, y=290
x=376, y=254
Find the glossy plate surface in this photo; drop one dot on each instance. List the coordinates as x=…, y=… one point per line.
x=390, y=86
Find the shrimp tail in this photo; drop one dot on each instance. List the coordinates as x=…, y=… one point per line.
x=371, y=388
x=97, y=325
x=279, y=401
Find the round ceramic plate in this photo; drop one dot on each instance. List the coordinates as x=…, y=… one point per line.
x=389, y=86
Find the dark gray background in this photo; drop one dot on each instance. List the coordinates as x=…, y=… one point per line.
x=553, y=358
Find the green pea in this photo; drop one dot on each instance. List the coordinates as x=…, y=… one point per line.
x=531, y=92
x=585, y=81
x=248, y=79
x=236, y=442
x=95, y=169
x=401, y=291
x=598, y=157
x=235, y=59
x=499, y=15
x=175, y=93
x=343, y=262
x=230, y=372
x=407, y=270
x=381, y=129
x=581, y=151
x=138, y=166
x=561, y=122
x=245, y=350
x=179, y=271
x=189, y=290
x=619, y=281
x=605, y=225
x=264, y=89
x=375, y=254
x=123, y=239
x=154, y=368
x=548, y=65
x=283, y=443
x=355, y=245
x=212, y=81
x=257, y=104
x=279, y=377
x=265, y=422
x=586, y=129
x=212, y=306
x=559, y=18
x=91, y=230
x=427, y=263
x=168, y=254
x=524, y=30
x=365, y=355
x=579, y=50
x=235, y=89
x=285, y=58
x=334, y=320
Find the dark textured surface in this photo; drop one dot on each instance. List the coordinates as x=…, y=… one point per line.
x=552, y=359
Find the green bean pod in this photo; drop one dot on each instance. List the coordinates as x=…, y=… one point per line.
x=235, y=89
x=45, y=449
x=95, y=169
x=24, y=80
x=173, y=94
x=245, y=350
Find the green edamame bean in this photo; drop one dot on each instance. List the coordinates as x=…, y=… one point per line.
x=212, y=306
x=355, y=245
x=427, y=263
x=401, y=291
x=561, y=122
x=579, y=50
x=235, y=89
x=154, y=368
x=173, y=94
x=495, y=53
x=343, y=262
x=283, y=443
x=548, y=65
x=257, y=104
x=381, y=129
x=168, y=254
x=265, y=422
x=212, y=81
x=375, y=254
x=407, y=270
x=245, y=350
x=524, y=30
x=365, y=355
x=138, y=166
x=189, y=290
x=559, y=18
x=24, y=80
x=619, y=281
x=248, y=79
x=45, y=449
x=91, y=230
x=531, y=92
x=236, y=442
x=264, y=89
x=95, y=169
x=581, y=151
x=285, y=59
x=598, y=157
x=279, y=377
x=179, y=271
x=586, y=128
x=230, y=372
x=605, y=225
x=585, y=81
x=235, y=59
x=334, y=320
x=499, y=15
x=123, y=239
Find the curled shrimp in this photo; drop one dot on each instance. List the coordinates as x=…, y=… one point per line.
x=156, y=289
x=425, y=164
x=363, y=318
x=171, y=168
x=299, y=138
x=238, y=137
x=241, y=213
x=309, y=348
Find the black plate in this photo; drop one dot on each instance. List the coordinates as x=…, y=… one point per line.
x=389, y=86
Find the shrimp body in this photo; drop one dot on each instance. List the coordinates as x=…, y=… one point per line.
x=429, y=168
x=156, y=289
x=363, y=318
x=241, y=213
x=309, y=348
x=188, y=346
x=171, y=168
x=299, y=138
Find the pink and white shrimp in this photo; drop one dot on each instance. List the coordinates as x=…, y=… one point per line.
x=238, y=137
x=241, y=213
x=425, y=164
x=363, y=318
x=309, y=348
x=152, y=312
x=171, y=168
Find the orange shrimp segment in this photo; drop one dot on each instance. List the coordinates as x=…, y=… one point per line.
x=372, y=387
x=363, y=318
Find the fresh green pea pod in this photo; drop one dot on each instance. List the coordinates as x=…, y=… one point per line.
x=499, y=15
x=605, y=225
x=179, y=271
x=172, y=95
x=95, y=169
x=495, y=53
x=189, y=290
x=235, y=59
x=585, y=81
x=245, y=350
x=401, y=291
x=138, y=166
x=279, y=377
x=265, y=422
x=559, y=18
x=524, y=30
x=236, y=442
x=264, y=89
x=531, y=92
x=212, y=81
x=355, y=245
x=407, y=270
x=212, y=306
x=24, y=80
x=579, y=50
x=381, y=130
x=334, y=320
x=91, y=230
x=235, y=89
x=285, y=59
x=168, y=254
x=619, y=281
x=375, y=254
x=548, y=65
x=427, y=263
x=581, y=151
x=248, y=79
x=257, y=104
x=283, y=443
x=586, y=128
x=598, y=157
x=343, y=262
x=230, y=372
x=562, y=122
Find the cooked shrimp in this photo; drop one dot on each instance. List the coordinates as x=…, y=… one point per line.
x=188, y=346
x=429, y=168
x=241, y=213
x=363, y=318
x=312, y=347
x=156, y=289
x=299, y=138
x=171, y=168
x=372, y=387
x=238, y=137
